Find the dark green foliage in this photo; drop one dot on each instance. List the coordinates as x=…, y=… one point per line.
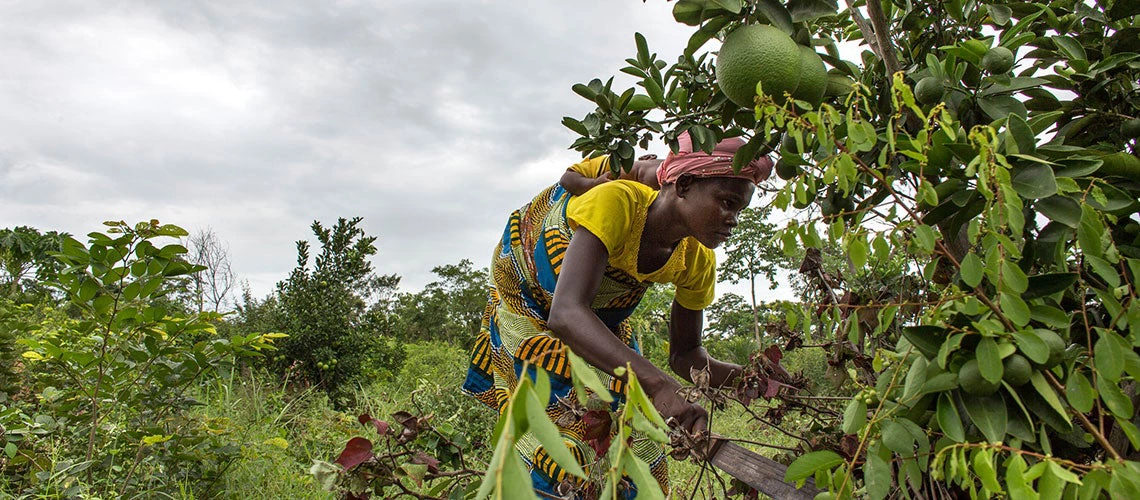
x=335, y=336
x=448, y=310
x=26, y=263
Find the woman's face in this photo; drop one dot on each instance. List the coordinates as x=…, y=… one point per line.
x=711, y=206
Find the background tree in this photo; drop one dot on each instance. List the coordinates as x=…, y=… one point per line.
x=449, y=310
x=753, y=252
x=332, y=340
x=211, y=288
x=25, y=259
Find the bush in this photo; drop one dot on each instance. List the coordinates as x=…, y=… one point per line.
x=113, y=384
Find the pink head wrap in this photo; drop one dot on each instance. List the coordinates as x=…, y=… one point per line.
x=717, y=164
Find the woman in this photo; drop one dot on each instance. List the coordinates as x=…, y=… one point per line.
x=569, y=271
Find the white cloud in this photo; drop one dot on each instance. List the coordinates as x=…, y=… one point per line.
x=432, y=119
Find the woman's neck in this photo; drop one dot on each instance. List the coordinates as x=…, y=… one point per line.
x=662, y=225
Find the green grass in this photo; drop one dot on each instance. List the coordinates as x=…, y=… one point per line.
x=280, y=433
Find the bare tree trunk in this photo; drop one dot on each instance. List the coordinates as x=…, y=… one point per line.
x=755, y=312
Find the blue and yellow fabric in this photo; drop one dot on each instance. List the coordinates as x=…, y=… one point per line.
x=524, y=271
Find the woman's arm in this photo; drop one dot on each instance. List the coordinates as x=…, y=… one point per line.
x=686, y=353
x=575, y=323
x=576, y=183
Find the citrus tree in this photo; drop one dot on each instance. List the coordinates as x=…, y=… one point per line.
x=990, y=148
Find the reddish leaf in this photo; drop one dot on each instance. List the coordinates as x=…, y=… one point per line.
x=597, y=424
x=381, y=426
x=848, y=444
x=772, y=389
x=421, y=457
x=774, y=354
x=357, y=451
x=597, y=432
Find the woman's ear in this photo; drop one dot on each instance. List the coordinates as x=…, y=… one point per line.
x=684, y=184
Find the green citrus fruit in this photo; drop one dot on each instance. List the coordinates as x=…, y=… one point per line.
x=1056, y=347
x=786, y=170
x=1017, y=370
x=929, y=90
x=1130, y=128
x=998, y=60
x=758, y=54
x=971, y=380
x=813, y=77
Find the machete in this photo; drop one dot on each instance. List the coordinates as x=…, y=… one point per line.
x=762, y=473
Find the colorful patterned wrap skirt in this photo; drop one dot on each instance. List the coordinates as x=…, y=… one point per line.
x=524, y=270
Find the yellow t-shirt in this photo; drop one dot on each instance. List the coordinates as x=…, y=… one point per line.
x=615, y=213
x=592, y=167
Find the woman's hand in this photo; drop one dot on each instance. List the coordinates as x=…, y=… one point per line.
x=678, y=411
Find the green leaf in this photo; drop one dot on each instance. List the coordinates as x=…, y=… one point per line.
x=547, y=434
x=777, y=15
x=877, y=477
x=575, y=125
x=638, y=471
x=581, y=370
x=747, y=153
x=998, y=107
x=1131, y=431
x=1014, y=308
x=1123, y=9
x=1013, y=279
x=988, y=414
x=1015, y=481
x=642, y=49
x=857, y=250
x=1041, y=285
x=924, y=237
x=915, y=378
x=989, y=361
x=1061, y=209
x=1079, y=392
x=984, y=468
x=854, y=416
x=807, y=10
x=927, y=339
x=514, y=482
x=1109, y=355
x=971, y=270
x=1103, y=269
x=1049, y=315
x=1070, y=48
x=949, y=420
x=1047, y=393
x=806, y=465
x=1023, y=136
x=1118, y=403
x=1090, y=231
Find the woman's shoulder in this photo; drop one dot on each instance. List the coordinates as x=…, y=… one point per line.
x=619, y=191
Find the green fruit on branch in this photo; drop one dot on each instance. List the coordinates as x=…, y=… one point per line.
x=1056, y=347
x=929, y=90
x=998, y=60
x=758, y=54
x=787, y=170
x=971, y=380
x=1017, y=370
x=813, y=77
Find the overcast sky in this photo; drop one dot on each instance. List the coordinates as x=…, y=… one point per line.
x=432, y=119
